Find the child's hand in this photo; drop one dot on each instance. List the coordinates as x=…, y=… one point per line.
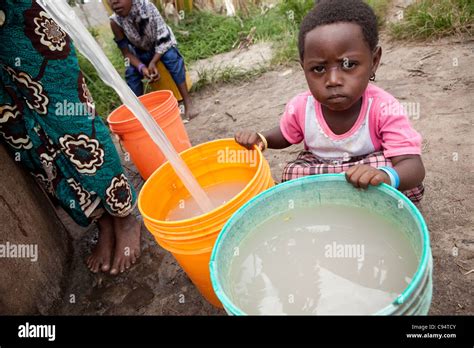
x=362, y=175
x=248, y=139
x=146, y=73
x=154, y=74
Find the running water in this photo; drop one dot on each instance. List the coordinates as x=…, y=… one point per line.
x=65, y=17
x=219, y=194
x=331, y=259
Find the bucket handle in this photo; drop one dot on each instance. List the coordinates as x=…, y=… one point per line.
x=122, y=148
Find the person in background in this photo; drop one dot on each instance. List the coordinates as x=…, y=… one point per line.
x=144, y=39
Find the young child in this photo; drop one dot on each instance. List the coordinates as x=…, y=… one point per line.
x=347, y=124
x=144, y=38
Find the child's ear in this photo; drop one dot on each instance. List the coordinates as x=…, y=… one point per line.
x=376, y=57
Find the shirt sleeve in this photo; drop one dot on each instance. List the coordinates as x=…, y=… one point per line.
x=163, y=35
x=397, y=135
x=290, y=122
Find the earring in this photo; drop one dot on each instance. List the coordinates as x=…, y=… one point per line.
x=372, y=78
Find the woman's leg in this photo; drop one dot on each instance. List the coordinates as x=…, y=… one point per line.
x=48, y=122
x=127, y=243
x=118, y=246
x=101, y=257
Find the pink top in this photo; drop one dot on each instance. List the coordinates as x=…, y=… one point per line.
x=387, y=126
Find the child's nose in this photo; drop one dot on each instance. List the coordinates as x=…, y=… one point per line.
x=333, y=77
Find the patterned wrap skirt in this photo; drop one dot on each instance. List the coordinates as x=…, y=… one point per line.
x=48, y=121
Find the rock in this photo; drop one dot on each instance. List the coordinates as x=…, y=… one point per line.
x=29, y=222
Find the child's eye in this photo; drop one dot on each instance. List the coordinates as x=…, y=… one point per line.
x=348, y=64
x=319, y=69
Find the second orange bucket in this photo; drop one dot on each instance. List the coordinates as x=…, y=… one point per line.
x=145, y=154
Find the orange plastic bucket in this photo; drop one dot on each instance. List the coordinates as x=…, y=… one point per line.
x=191, y=240
x=184, y=230
x=145, y=154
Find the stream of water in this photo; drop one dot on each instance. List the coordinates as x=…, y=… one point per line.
x=65, y=17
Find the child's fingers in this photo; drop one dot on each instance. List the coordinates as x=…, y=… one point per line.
x=365, y=178
x=237, y=137
x=377, y=179
x=241, y=138
x=350, y=172
x=248, y=140
x=254, y=139
x=354, y=175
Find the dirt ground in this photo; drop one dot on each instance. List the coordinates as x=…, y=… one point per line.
x=438, y=76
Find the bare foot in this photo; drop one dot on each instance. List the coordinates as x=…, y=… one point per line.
x=127, y=243
x=101, y=256
x=190, y=113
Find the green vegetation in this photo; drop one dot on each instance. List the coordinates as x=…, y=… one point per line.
x=105, y=98
x=229, y=74
x=435, y=18
x=380, y=8
x=203, y=34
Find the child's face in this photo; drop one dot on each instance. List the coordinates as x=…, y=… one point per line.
x=338, y=64
x=121, y=7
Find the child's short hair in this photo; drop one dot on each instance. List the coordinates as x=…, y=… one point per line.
x=333, y=11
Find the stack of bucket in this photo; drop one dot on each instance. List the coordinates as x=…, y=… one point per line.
x=145, y=154
x=191, y=240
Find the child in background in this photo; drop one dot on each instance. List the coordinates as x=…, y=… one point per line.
x=347, y=124
x=144, y=39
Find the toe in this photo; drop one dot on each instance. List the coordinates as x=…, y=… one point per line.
x=105, y=267
x=137, y=253
x=95, y=267
x=90, y=263
x=115, y=267
x=127, y=262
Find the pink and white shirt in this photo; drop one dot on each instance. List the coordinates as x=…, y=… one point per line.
x=382, y=125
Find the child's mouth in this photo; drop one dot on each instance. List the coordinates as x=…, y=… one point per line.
x=337, y=98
